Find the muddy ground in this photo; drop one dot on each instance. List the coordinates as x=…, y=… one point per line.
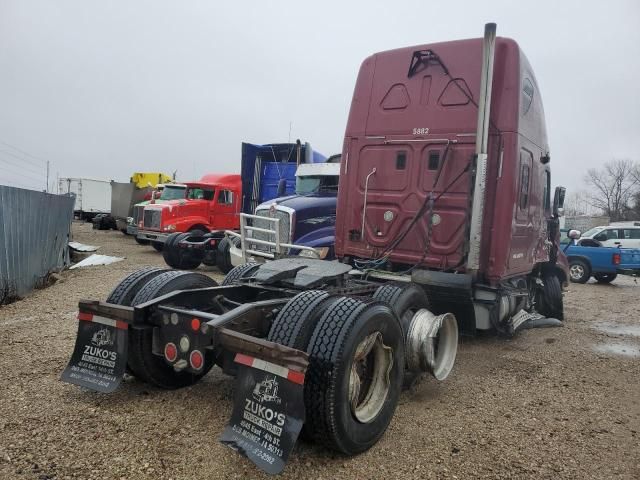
x=549, y=403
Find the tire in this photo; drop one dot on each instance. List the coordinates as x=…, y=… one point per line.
x=157, y=246
x=405, y=299
x=127, y=289
x=330, y=416
x=175, y=257
x=241, y=271
x=549, y=299
x=223, y=256
x=295, y=323
x=141, y=241
x=579, y=271
x=152, y=368
x=605, y=277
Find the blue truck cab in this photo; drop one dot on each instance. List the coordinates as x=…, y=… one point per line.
x=302, y=223
x=587, y=258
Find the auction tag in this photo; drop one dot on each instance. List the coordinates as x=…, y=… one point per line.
x=99, y=358
x=268, y=413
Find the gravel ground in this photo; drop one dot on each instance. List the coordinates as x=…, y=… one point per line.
x=549, y=403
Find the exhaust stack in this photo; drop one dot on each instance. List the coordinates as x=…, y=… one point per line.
x=482, y=135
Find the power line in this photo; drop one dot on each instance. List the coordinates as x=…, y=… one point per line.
x=33, y=169
x=29, y=162
x=23, y=152
x=23, y=175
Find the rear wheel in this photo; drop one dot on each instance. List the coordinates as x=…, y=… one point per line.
x=405, y=299
x=176, y=257
x=143, y=362
x=605, y=277
x=240, y=272
x=127, y=289
x=549, y=298
x=579, y=271
x=157, y=246
x=223, y=255
x=355, y=374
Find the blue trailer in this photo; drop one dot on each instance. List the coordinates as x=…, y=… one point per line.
x=269, y=171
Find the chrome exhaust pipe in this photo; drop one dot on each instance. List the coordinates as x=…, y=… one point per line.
x=482, y=136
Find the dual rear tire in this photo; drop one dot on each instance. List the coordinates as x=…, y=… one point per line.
x=140, y=287
x=355, y=374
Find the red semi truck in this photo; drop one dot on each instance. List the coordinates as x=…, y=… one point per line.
x=211, y=204
x=445, y=219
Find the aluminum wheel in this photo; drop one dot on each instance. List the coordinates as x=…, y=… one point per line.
x=576, y=272
x=369, y=377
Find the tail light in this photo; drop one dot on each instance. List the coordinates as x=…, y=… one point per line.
x=616, y=259
x=170, y=352
x=196, y=359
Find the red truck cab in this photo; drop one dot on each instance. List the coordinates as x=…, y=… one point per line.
x=210, y=204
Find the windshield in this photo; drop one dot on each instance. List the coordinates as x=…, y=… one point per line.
x=172, y=193
x=316, y=183
x=591, y=232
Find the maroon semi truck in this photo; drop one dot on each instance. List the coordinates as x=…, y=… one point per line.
x=445, y=220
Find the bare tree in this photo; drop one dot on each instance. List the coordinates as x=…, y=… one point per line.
x=613, y=188
x=579, y=203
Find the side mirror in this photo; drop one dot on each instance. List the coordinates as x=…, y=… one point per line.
x=574, y=234
x=558, y=201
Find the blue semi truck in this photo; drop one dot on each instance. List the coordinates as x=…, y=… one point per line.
x=287, y=181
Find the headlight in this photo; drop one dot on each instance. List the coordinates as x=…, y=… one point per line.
x=316, y=253
x=170, y=228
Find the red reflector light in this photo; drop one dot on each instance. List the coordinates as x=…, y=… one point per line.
x=196, y=360
x=195, y=324
x=170, y=352
x=616, y=259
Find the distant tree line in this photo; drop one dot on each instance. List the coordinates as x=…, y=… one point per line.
x=613, y=190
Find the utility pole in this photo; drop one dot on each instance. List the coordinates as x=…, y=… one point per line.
x=47, y=176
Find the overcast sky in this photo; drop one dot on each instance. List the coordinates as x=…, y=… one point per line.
x=105, y=88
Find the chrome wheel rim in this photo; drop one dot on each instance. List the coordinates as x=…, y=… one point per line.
x=369, y=377
x=576, y=272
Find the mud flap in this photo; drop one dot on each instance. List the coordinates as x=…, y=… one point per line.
x=99, y=358
x=268, y=413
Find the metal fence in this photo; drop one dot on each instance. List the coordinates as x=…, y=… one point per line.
x=34, y=236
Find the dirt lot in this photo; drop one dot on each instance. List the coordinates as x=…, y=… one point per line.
x=550, y=403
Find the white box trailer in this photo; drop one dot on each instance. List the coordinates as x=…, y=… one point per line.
x=92, y=196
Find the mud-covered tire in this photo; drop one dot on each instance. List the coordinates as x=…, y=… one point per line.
x=144, y=364
x=239, y=272
x=157, y=246
x=332, y=347
x=549, y=299
x=605, y=277
x=141, y=241
x=579, y=271
x=223, y=256
x=177, y=258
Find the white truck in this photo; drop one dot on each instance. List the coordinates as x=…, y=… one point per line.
x=92, y=196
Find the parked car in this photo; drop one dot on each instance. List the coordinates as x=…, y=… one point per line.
x=615, y=236
x=589, y=259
